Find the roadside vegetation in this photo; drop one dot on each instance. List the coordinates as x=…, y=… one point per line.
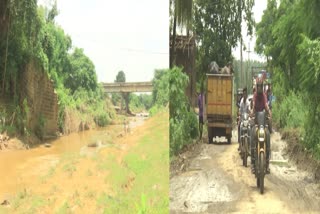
x=183, y=119
x=30, y=33
x=160, y=93
x=288, y=35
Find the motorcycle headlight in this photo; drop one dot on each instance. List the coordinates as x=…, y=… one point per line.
x=245, y=123
x=261, y=134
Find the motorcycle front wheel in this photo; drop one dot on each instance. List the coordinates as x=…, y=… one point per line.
x=261, y=171
x=245, y=152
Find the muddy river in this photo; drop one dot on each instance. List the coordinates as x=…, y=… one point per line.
x=216, y=182
x=23, y=167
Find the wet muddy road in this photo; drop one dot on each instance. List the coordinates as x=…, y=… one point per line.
x=216, y=182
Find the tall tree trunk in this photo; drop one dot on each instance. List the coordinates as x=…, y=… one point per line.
x=173, y=49
x=6, y=56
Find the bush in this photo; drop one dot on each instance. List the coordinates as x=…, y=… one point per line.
x=290, y=112
x=183, y=121
x=303, y=112
x=182, y=132
x=102, y=119
x=160, y=93
x=154, y=110
x=91, y=105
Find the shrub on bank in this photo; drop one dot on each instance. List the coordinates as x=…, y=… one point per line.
x=88, y=107
x=290, y=112
x=183, y=120
x=299, y=111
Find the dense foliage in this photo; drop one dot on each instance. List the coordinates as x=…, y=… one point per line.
x=217, y=25
x=288, y=35
x=82, y=73
x=160, y=93
x=169, y=88
x=183, y=120
x=139, y=103
x=29, y=32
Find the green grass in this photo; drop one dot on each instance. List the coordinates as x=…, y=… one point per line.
x=118, y=174
x=49, y=174
x=70, y=161
x=141, y=181
x=136, y=164
x=65, y=208
x=28, y=202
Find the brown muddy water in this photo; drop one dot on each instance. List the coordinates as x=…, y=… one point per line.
x=21, y=168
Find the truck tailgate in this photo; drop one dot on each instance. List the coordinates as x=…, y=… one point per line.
x=219, y=95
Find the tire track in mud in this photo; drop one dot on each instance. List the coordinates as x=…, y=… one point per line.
x=200, y=189
x=253, y=201
x=216, y=182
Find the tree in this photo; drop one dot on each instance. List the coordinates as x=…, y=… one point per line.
x=21, y=43
x=121, y=77
x=53, y=12
x=82, y=73
x=288, y=35
x=160, y=91
x=217, y=25
x=265, y=39
x=181, y=11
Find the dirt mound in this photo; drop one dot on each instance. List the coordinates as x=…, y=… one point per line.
x=299, y=154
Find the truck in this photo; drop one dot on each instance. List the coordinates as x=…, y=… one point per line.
x=219, y=105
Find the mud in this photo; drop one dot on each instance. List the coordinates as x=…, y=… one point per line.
x=23, y=168
x=199, y=189
x=216, y=182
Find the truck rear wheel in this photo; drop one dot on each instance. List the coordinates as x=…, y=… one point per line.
x=229, y=139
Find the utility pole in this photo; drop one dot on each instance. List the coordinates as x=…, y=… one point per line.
x=249, y=51
x=241, y=67
x=241, y=59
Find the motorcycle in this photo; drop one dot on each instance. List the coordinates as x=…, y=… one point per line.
x=261, y=150
x=245, y=130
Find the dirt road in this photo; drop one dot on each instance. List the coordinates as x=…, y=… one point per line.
x=216, y=182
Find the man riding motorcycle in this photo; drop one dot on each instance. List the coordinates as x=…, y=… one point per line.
x=243, y=108
x=260, y=103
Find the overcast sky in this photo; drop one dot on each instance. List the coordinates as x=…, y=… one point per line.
x=127, y=35
x=259, y=7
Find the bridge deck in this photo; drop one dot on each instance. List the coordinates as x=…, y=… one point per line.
x=128, y=87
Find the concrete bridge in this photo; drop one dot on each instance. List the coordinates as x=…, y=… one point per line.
x=128, y=87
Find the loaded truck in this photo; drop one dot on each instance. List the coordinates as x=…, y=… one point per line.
x=219, y=105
